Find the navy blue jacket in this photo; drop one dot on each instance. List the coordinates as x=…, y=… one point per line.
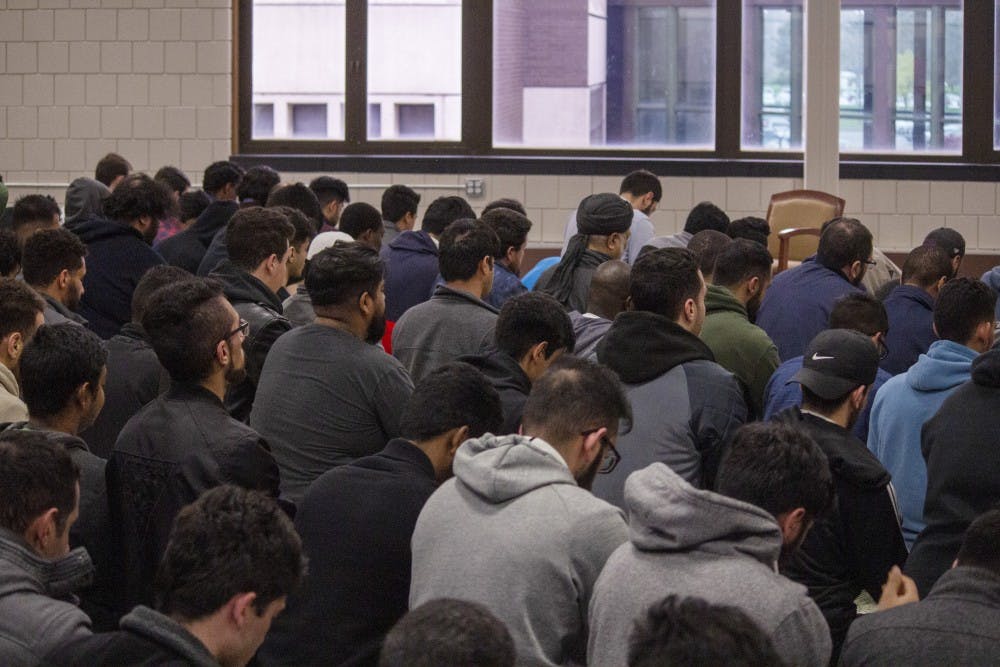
x=411, y=268
x=216, y=253
x=911, y=327
x=117, y=257
x=358, y=584
x=186, y=249
x=797, y=306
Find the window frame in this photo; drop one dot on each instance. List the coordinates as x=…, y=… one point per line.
x=475, y=153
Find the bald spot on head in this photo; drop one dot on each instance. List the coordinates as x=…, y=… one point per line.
x=609, y=289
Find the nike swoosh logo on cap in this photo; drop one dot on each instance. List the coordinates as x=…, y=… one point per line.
x=818, y=357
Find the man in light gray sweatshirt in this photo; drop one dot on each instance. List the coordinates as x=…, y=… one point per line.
x=516, y=529
x=722, y=547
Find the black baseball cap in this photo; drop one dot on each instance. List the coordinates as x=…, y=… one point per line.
x=836, y=362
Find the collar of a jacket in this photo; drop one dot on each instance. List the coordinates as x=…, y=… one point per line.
x=57, y=578
x=443, y=292
x=968, y=582
x=61, y=308
x=168, y=633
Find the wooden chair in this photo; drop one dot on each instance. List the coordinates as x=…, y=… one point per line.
x=796, y=217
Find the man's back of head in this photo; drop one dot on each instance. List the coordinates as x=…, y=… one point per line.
x=33, y=213
x=845, y=245
x=838, y=367
x=741, y=261
x=20, y=316
x=297, y=196
x=979, y=549
x=609, y=289
x=112, y=169
x=859, y=312
x=139, y=202
x=512, y=228
x=642, y=189
x=927, y=267
x=363, y=223
x=10, y=254
x=466, y=247
x=258, y=235
x=338, y=276
x=949, y=241
x=443, y=211
x=173, y=178
x=667, y=282
x=256, y=185
x=448, y=632
x=505, y=202
x=222, y=179
x=328, y=189
x=48, y=254
x=964, y=312
x=706, y=215
x=397, y=201
x=706, y=246
x=534, y=329
x=152, y=280
x=751, y=228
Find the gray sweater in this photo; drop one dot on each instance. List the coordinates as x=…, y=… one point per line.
x=514, y=532
x=689, y=542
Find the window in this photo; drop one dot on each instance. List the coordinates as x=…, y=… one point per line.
x=415, y=120
x=772, y=75
x=374, y=121
x=263, y=120
x=308, y=120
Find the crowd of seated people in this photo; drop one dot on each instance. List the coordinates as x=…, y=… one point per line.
x=255, y=423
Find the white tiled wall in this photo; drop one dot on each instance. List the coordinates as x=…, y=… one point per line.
x=151, y=79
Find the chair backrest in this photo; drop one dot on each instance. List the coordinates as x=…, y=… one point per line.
x=531, y=277
x=800, y=213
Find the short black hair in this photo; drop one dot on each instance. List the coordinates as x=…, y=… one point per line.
x=859, y=312
x=962, y=305
x=574, y=395
x=341, y=274
x=58, y=360
x=510, y=227
x=741, y=260
x=532, y=318
x=152, y=280
x=229, y=541
x=979, y=548
x=948, y=240
x=677, y=632
x=706, y=246
x=48, y=252
x=254, y=234
x=19, y=307
x=463, y=245
x=257, y=183
x=663, y=280
x=184, y=322
x=328, y=188
x=443, y=211
x=397, y=201
x=358, y=218
x=504, y=202
x=173, y=178
x=641, y=182
x=36, y=210
x=925, y=265
x=751, y=227
x=192, y=204
x=305, y=229
x=298, y=196
x=448, y=632
x=110, y=167
x=37, y=475
x=220, y=174
x=776, y=468
x=137, y=196
x=706, y=215
x=451, y=396
x=843, y=242
x=10, y=254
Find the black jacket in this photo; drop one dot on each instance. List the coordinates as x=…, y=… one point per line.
x=117, y=257
x=358, y=584
x=181, y=444
x=186, y=249
x=510, y=381
x=854, y=546
x=261, y=307
x=960, y=446
x=583, y=273
x=135, y=377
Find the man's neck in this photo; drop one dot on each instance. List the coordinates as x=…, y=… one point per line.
x=268, y=281
x=206, y=631
x=352, y=325
x=471, y=287
x=216, y=384
x=839, y=418
x=64, y=422
x=49, y=291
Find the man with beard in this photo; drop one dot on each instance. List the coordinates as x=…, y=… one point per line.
x=118, y=250
x=183, y=442
x=327, y=394
x=798, y=304
x=742, y=276
x=721, y=546
x=852, y=549
x=53, y=264
x=517, y=529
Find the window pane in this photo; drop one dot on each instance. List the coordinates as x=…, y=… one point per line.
x=298, y=59
x=415, y=61
x=573, y=74
x=263, y=120
x=308, y=120
x=772, y=74
x=901, y=75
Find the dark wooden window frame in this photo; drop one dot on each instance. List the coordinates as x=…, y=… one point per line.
x=474, y=153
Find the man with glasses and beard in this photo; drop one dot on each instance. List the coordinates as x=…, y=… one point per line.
x=183, y=442
x=328, y=395
x=517, y=529
x=721, y=546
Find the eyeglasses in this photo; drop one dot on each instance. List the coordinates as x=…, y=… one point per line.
x=611, y=455
x=883, y=349
x=871, y=262
x=242, y=329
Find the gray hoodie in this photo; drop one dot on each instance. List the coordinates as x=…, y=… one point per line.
x=514, y=532
x=689, y=542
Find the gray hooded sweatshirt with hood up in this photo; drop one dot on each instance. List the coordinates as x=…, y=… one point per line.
x=694, y=543
x=514, y=532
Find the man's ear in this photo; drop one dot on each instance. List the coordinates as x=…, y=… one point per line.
x=366, y=304
x=537, y=352
x=13, y=345
x=628, y=303
x=791, y=523
x=592, y=444
x=859, y=396
x=753, y=285
x=62, y=280
x=457, y=437
x=42, y=530
x=690, y=310
x=486, y=265
x=240, y=608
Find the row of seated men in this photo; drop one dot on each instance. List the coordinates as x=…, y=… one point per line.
x=526, y=429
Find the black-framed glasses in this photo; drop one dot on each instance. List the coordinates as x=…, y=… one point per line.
x=611, y=455
x=243, y=329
